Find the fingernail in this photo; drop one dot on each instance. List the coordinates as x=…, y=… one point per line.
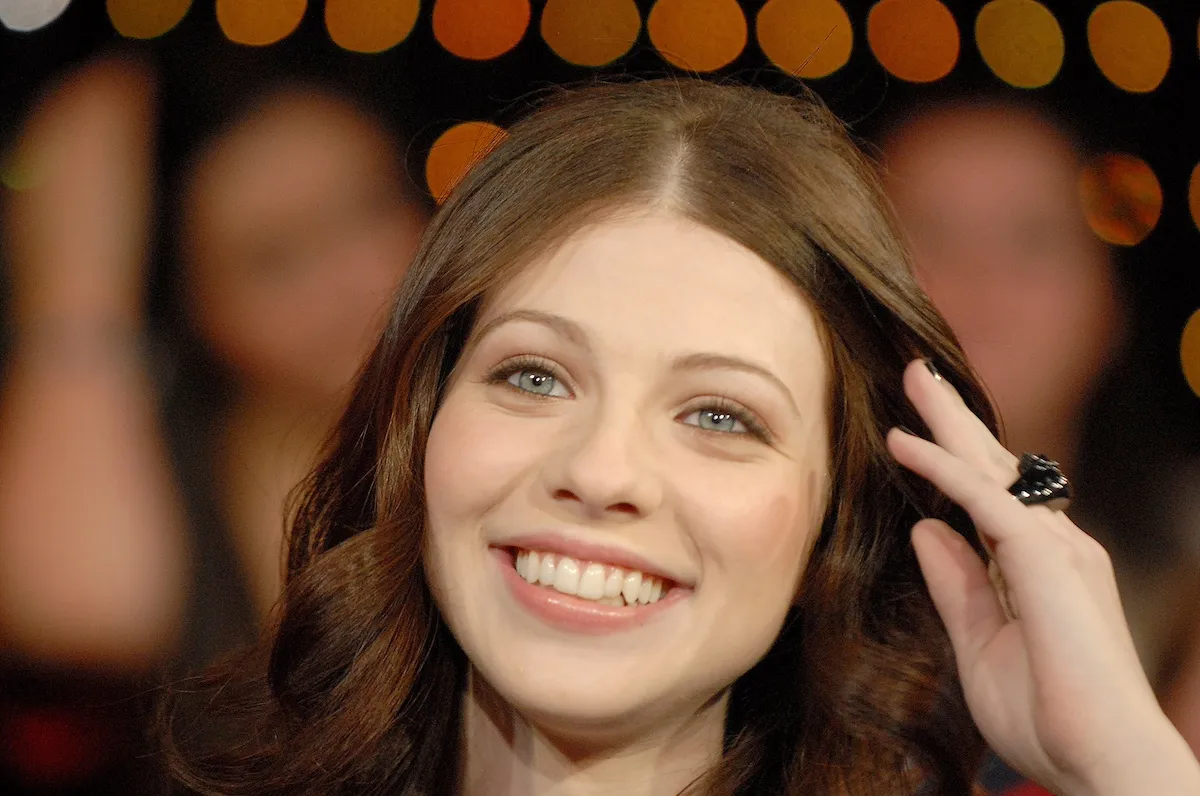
x=908, y=431
x=932, y=369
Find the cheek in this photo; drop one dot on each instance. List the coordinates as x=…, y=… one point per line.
x=758, y=531
x=475, y=459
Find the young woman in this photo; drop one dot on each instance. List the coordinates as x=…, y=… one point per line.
x=647, y=490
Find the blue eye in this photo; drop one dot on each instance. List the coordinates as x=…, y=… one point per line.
x=717, y=420
x=538, y=382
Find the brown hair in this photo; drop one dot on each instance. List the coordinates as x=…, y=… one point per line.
x=360, y=688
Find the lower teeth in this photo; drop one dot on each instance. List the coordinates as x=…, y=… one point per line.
x=617, y=602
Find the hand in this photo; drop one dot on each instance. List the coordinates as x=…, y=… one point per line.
x=77, y=227
x=1058, y=693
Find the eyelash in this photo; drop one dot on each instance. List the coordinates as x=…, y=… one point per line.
x=717, y=404
x=726, y=406
x=505, y=370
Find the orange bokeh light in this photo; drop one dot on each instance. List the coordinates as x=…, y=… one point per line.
x=1194, y=195
x=1189, y=352
x=1021, y=41
x=698, y=35
x=261, y=22
x=370, y=26
x=455, y=152
x=915, y=40
x=805, y=38
x=146, y=19
x=592, y=33
x=480, y=30
x=1121, y=197
x=1130, y=45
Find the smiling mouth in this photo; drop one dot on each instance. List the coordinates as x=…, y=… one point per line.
x=589, y=580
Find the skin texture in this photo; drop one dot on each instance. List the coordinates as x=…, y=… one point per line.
x=618, y=457
x=609, y=453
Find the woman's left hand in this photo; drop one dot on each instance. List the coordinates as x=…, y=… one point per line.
x=1059, y=692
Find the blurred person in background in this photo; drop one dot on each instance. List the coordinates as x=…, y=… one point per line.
x=295, y=223
x=988, y=192
x=153, y=420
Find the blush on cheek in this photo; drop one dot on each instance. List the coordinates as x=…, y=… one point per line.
x=777, y=533
x=780, y=526
x=476, y=456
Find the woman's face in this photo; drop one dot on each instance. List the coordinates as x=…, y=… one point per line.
x=639, y=416
x=297, y=231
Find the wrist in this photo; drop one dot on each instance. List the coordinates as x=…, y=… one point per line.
x=75, y=343
x=1160, y=762
x=76, y=304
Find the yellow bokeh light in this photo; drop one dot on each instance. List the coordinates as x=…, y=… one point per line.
x=592, y=33
x=698, y=35
x=1121, y=198
x=146, y=19
x=805, y=38
x=1130, y=45
x=261, y=22
x=1020, y=41
x=480, y=29
x=1189, y=352
x=370, y=26
x=915, y=40
x=455, y=152
x=1194, y=195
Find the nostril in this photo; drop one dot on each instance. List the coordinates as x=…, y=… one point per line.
x=624, y=507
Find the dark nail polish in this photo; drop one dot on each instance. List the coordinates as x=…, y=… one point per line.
x=932, y=369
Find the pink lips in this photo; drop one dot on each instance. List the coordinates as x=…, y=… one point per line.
x=575, y=614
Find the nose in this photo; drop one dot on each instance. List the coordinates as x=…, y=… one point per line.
x=605, y=469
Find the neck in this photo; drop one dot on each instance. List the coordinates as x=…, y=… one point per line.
x=266, y=448
x=505, y=755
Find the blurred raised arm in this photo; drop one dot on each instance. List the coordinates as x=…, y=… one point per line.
x=92, y=553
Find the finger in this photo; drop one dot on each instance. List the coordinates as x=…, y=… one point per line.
x=959, y=585
x=990, y=506
x=1040, y=552
x=955, y=427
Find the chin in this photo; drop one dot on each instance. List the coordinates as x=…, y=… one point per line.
x=588, y=676
x=590, y=706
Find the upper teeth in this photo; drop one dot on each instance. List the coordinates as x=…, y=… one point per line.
x=589, y=580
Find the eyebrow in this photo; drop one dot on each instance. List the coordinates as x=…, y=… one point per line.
x=689, y=362
x=704, y=361
x=563, y=326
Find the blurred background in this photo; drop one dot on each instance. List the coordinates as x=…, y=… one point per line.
x=207, y=205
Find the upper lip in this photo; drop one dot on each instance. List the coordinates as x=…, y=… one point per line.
x=598, y=552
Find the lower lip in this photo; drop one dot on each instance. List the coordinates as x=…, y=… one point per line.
x=575, y=613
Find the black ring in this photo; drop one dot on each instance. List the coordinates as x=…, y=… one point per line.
x=1041, y=483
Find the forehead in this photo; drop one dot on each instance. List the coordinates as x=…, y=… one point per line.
x=657, y=284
